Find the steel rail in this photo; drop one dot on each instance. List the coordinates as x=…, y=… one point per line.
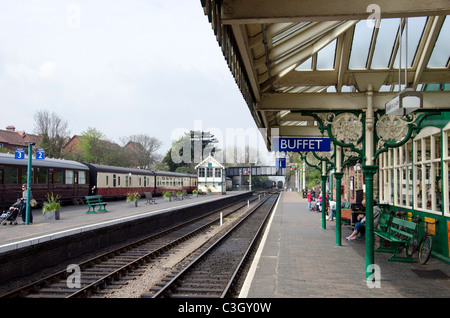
x=91, y=287
x=172, y=284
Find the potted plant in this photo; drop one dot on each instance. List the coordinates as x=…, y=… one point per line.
x=132, y=198
x=195, y=193
x=180, y=195
x=208, y=191
x=51, y=207
x=167, y=196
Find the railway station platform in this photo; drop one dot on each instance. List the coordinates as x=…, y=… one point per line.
x=75, y=220
x=297, y=258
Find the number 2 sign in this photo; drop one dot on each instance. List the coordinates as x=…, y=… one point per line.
x=40, y=154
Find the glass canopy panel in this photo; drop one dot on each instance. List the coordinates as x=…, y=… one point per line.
x=415, y=31
x=385, y=88
x=360, y=46
x=326, y=57
x=441, y=51
x=307, y=65
x=385, y=43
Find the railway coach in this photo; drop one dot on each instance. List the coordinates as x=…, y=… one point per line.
x=67, y=178
x=74, y=180
x=115, y=182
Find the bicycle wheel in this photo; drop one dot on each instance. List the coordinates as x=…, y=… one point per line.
x=425, y=249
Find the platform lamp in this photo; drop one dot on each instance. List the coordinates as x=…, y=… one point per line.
x=30, y=155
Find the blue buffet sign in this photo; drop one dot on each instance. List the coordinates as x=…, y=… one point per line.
x=40, y=154
x=19, y=154
x=301, y=144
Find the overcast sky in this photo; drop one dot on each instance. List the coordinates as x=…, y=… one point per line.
x=122, y=67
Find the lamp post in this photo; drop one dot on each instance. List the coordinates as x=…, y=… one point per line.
x=30, y=155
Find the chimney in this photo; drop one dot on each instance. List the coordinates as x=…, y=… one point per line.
x=11, y=128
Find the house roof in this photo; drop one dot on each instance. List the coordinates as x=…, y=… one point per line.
x=12, y=138
x=208, y=160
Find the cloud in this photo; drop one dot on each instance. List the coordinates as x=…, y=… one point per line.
x=46, y=69
x=28, y=73
x=21, y=72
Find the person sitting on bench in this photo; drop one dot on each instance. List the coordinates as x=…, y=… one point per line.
x=360, y=227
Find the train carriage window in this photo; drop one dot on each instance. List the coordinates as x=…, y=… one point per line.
x=114, y=180
x=69, y=177
x=25, y=173
x=57, y=176
x=41, y=175
x=11, y=175
x=81, y=177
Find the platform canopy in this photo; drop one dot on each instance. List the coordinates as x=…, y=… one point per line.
x=291, y=56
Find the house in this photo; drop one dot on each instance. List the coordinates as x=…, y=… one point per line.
x=12, y=140
x=211, y=176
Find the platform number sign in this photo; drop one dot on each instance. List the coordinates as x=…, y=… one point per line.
x=19, y=154
x=40, y=154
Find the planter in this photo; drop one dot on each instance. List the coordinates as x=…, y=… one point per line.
x=51, y=215
x=195, y=195
x=133, y=203
x=168, y=199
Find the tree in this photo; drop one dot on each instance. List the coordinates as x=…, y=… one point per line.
x=190, y=150
x=54, y=131
x=141, y=150
x=91, y=146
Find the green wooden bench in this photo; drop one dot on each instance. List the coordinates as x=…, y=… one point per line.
x=385, y=222
x=93, y=201
x=398, y=232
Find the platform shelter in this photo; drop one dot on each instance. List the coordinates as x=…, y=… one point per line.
x=372, y=77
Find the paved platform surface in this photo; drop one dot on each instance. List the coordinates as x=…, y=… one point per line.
x=300, y=259
x=74, y=218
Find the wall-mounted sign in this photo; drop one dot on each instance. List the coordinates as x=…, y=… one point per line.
x=301, y=144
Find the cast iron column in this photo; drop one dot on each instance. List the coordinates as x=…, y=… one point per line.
x=324, y=197
x=338, y=176
x=369, y=172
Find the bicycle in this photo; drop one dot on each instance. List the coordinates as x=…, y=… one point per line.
x=425, y=245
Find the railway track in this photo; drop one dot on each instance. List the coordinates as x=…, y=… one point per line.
x=215, y=272
x=115, y=267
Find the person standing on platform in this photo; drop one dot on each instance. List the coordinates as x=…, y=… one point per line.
x=309, y=200
x=332, y=210
x=24, y=200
